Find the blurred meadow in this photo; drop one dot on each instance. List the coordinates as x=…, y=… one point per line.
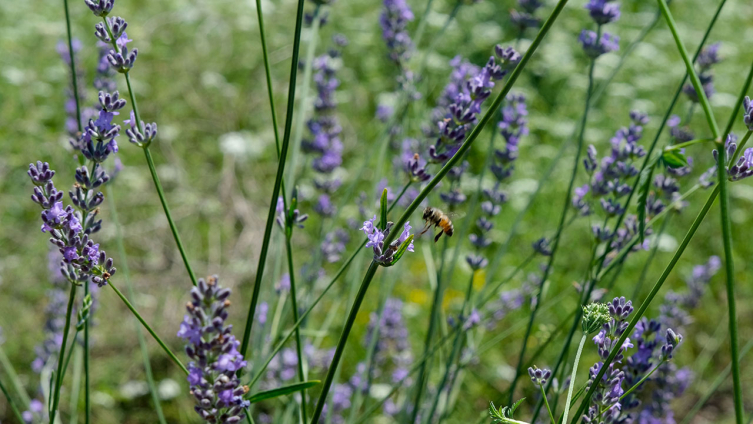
x=200, y=76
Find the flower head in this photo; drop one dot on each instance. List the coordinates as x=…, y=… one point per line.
x=539, y=377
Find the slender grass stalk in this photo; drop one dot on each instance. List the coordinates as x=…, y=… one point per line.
x=12, y=404
x=702, y=99
x=546, y=403
x=650, y=259
x=294, y=302
x=572, y=377
x=343, y=339
x=645, y=377
x=560, y=227
x=679, y=146
x=78, y=364
x=721, y=378
x=730, y=274
x=268, y=74
x=87, y=393
x=642, y=309
x=308, y=68
x=456, y=346
x=15, y=381
x=278, y=179
x=148, y=328
x=123, y=268
x=61, y=355
x=422, y=24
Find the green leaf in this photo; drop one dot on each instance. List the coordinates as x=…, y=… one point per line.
x=644, y=186
x=401, y=250
x=674, y=159
x=282, y=391
x=515, y=406
x=383, y=207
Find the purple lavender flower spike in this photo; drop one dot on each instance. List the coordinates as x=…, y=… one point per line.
x=394, y=20
x=539, y=377
x=741, y=169
x=385, y=255
x=214, y=353
x=100, y=8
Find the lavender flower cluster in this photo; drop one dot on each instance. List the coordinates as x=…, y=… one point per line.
x=389, y=255
x=525, y=18
x=464, y=96
x=598, y=43
x=69, y=229
x=214, y=353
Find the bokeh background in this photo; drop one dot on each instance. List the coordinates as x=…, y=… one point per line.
x=200, y=76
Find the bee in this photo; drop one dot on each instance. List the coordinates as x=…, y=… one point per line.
x=439, y=219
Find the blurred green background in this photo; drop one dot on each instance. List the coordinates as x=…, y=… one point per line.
x=200, y=76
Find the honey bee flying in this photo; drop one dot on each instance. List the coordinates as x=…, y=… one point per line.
x=438, y=219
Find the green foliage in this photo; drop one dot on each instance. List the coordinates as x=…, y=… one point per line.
x=504, y=415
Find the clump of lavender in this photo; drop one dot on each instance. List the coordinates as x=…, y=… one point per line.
x=387, y=255
x=709, y=57
x=600, y=42
x=69, y=229
x=675, y=311
x=743, y=167
x=466, y=93
x=324, y=128
x=610, y=182
x=525, y=17
x=214, y=353
x=394, y=21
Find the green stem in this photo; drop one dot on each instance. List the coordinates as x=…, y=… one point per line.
x=294, y=302
x=123, y=268
x=268, y=74
x=560, y=227
x=741, y=146
x=148, y=328
x=343, y=340
x=17, y=384
x=61, y=355
x=702, y=99
x=74, y=77
x=650, y=259
x=645, y=377
x=730, y=274
x=169, y=217
x=642, y=309
x=278, y=180
x=715, y=386
x=546, y=402
x=12, y=404
x=303, y=100
x=422, y=24
x=687, y=144
x=572, y=377
x=456, y=346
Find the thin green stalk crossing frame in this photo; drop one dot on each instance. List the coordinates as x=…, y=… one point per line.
x=123, y=268
x=423, y=193
x=278, y=180
x=294, y=304
x=148, y=328
x=61, y=354
x=12, y=404
x=560, y=227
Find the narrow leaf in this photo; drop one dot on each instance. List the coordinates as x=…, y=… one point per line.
x=282, y=391
x=383, y=208
x=674, y=159
x=515, y=406
x=644, y=186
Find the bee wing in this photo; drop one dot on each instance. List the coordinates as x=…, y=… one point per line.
x=455, y=215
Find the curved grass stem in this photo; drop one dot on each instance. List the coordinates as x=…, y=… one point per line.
x=12, y=404
x=294, y=302
x=278, y=179
x=61, y=355
x=148, y=328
